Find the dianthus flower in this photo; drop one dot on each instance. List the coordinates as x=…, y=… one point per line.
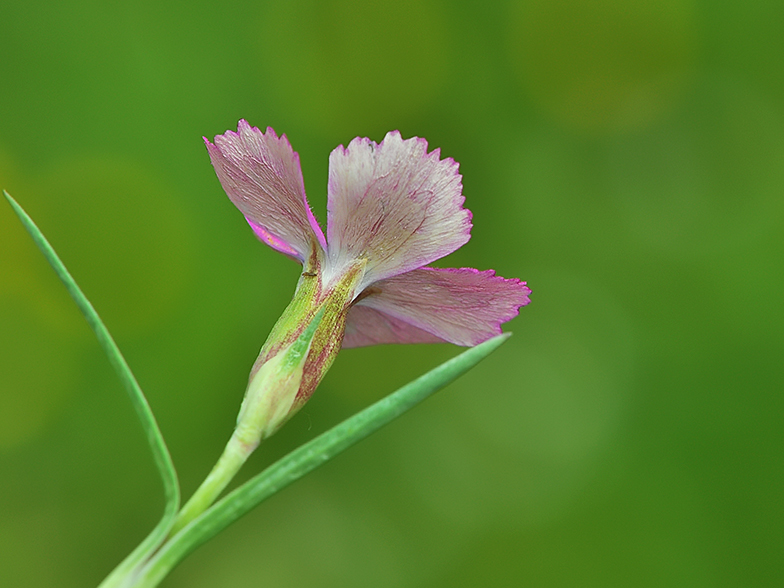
x=392, y=209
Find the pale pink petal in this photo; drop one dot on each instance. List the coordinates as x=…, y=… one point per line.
x=368, y=326
x=462, y=306
x=393, y=204
x=262, y=177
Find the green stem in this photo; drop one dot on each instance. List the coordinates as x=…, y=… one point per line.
x=266, y=406
x=234, y=455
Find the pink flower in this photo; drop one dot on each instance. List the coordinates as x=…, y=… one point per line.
x=393, y=208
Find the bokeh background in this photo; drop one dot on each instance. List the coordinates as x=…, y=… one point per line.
x=626, y=158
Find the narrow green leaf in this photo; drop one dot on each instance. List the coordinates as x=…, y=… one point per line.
x=154, y=438
x=307, y=458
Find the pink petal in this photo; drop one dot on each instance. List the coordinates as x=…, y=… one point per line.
x=368, y=326
x=262, y=177
x=462, y=306
x=393, y=204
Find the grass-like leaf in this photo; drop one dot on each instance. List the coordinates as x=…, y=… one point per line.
x=154, y=438
x=305, y=459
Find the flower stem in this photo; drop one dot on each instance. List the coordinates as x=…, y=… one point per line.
x=267, y=405
x=234, y=455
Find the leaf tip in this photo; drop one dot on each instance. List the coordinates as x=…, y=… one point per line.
x=14, y=204
x=497, y=340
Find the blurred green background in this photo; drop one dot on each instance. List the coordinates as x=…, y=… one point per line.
x=626, y=158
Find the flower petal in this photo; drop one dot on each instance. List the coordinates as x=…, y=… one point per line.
x=393, y=204
x=262, y=177
x=462, y=306
x=368, y=326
